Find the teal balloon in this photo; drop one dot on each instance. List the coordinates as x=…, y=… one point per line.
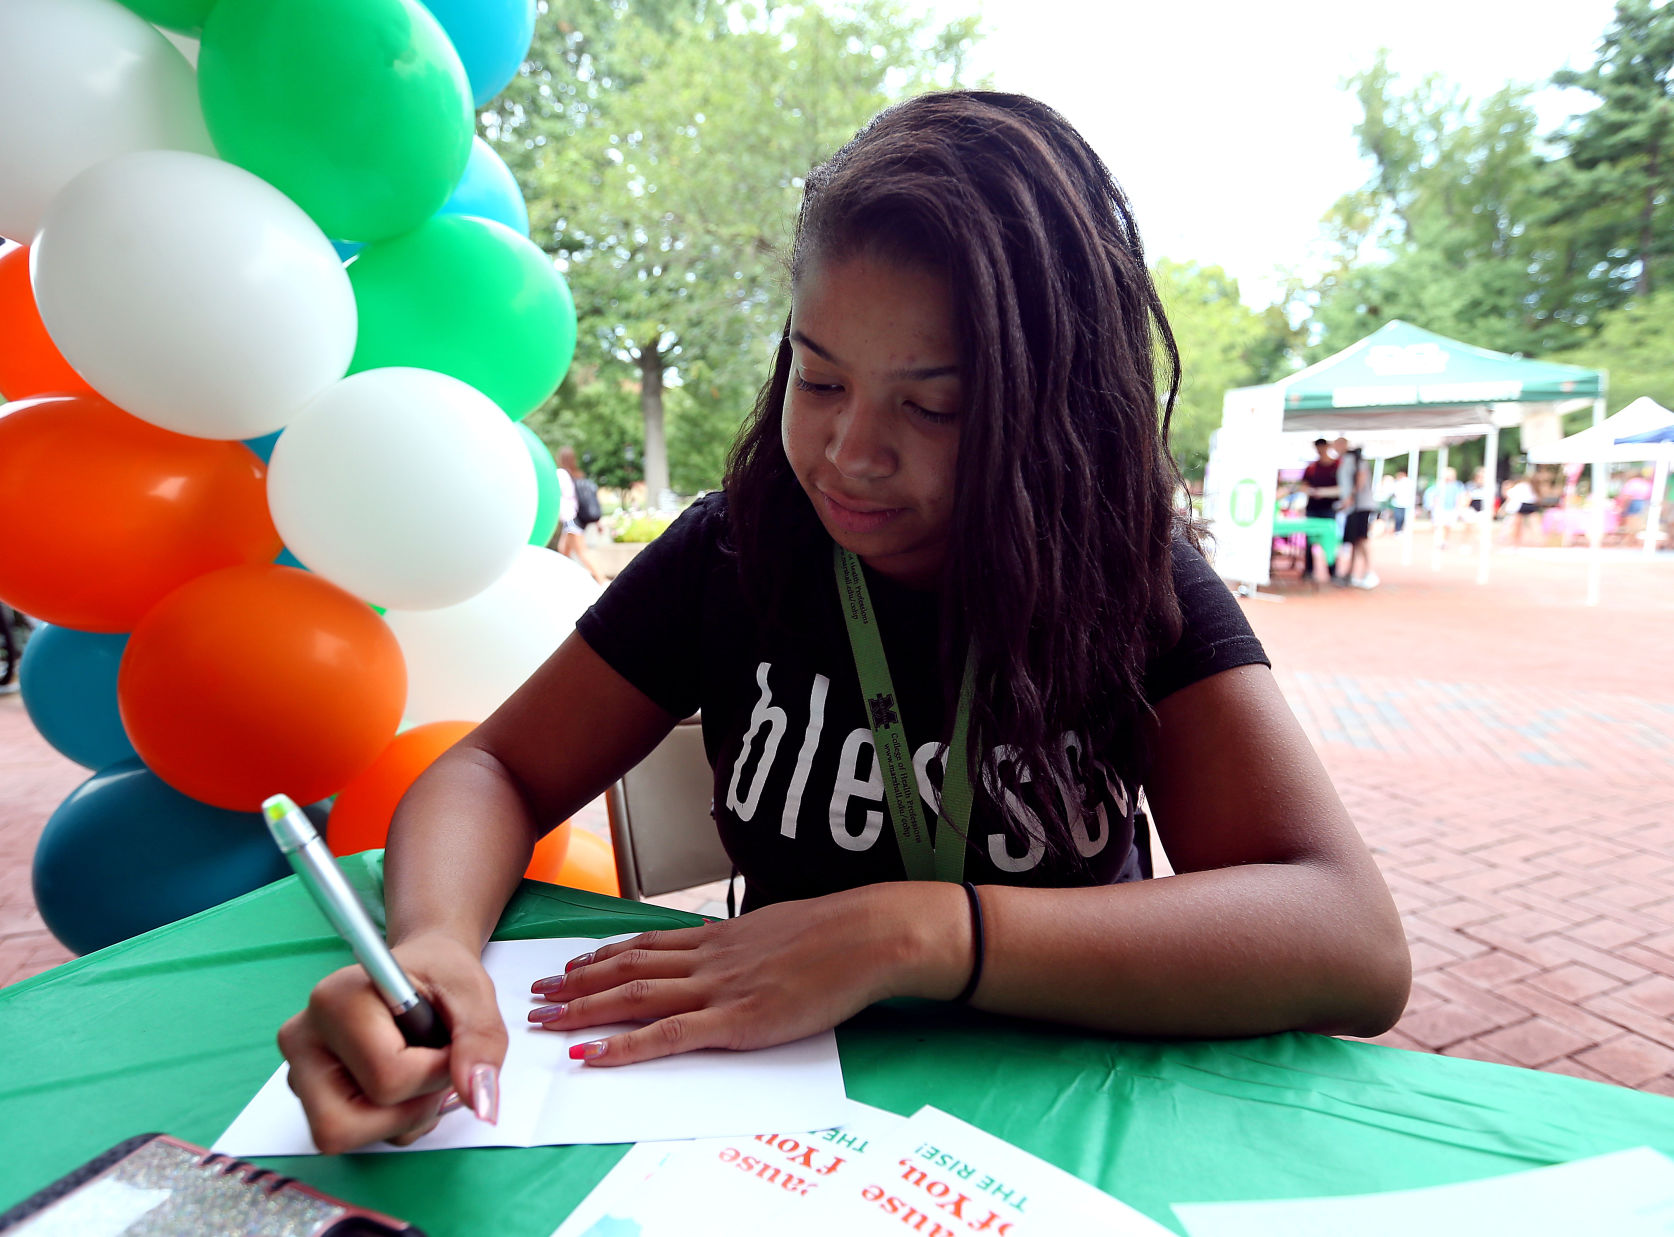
x=126, y=853
x=263, y=446
x=488, y=190
x=357, y=110
x=68, y=681
x=491, y=36
x=547, y=489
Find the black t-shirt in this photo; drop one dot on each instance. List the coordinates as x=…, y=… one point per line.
x=799, y=797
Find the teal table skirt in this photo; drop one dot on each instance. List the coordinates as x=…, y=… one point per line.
x=174, y=1031
x=1319, y=531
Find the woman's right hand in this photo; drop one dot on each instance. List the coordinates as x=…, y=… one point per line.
x=357, y=1078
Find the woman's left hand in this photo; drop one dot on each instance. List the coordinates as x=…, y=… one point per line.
x=771, y=976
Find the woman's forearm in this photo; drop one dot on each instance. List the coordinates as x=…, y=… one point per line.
x=458, y=845
x=1245, y=950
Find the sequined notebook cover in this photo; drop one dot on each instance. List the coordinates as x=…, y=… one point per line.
x=153, y=1185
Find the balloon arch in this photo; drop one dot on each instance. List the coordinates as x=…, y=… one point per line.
x=275, y=510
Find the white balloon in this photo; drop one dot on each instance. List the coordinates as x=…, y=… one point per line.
x=404, y=486
x=465, y=660
x=82, y=81
x=192, y=294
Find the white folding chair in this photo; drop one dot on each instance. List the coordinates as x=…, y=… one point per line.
x=660, y=823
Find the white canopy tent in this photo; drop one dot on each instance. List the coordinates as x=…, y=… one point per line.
x=1600, y=445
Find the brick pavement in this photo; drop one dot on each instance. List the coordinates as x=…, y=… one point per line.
x=1507, y=752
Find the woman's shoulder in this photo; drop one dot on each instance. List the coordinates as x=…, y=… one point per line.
x=1214, y=634
x=704, y=523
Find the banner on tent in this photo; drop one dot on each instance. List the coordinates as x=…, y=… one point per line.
x=1240, y=482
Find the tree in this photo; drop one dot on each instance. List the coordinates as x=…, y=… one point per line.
x=1223, y=344
x=1619, y=177
x=1447, y=233
x=663, y=146
x=1635, y=343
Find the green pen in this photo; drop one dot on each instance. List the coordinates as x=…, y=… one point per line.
x=342, y=907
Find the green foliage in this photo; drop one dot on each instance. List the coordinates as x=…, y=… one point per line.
x=1223, y=344
x=1619, y=181
x=596, y=411
x=661, y=146
x=1474, y=226
x=641, y=528
x=704, y=416
x=1636, y=345
x=1452, y=210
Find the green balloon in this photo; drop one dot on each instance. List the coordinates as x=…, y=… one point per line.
x=185, y=16
x=467, y=297
x=358, y=110
x=547, y=491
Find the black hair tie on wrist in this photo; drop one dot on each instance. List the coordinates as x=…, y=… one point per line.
x=976, y=941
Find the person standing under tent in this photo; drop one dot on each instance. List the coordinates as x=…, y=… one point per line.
x=1386, y=495
x=1521, y=502
x=1402, y=495
x=1445, y=501
x=1319, y=483
x=1359, y=507
x=1634, y=499
x=1480, y=498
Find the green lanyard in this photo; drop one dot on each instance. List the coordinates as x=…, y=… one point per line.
x=943, y=859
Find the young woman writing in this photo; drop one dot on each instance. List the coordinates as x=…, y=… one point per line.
x=943, y=625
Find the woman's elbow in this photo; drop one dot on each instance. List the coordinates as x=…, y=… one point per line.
x=1373, y=987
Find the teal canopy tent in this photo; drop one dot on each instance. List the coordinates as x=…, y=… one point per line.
x=1404, y=377
x=1403, y=389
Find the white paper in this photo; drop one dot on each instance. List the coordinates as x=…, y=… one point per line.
x=677, y=1189
x=547, y=1099
x=1624, y=1194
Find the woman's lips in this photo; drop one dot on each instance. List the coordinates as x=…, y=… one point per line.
x=857, y=519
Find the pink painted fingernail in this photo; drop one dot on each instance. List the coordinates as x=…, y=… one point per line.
x=548, y=1013
x=592, y=1050
x=581, y=961
x=550, y=984
x=450, y=1103
x=485, y=1093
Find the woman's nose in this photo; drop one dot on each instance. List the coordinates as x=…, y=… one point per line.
x=860, y=445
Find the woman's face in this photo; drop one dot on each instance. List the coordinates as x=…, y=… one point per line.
x=873, y=408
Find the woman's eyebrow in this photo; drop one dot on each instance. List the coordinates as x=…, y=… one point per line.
x=797, y=337
x=913, y=375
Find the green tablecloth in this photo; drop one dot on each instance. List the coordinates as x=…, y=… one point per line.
x=174, y=1030
x=1320, y=530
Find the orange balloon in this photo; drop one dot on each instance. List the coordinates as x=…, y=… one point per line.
x=251, y=681
x=591, y=864
x=106, y=514
x=360, y=818
x=30, y=363
x=551, y=853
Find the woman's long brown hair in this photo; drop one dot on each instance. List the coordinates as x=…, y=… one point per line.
x=1058, y=571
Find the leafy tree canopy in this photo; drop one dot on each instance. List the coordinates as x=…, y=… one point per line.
x=661, y=144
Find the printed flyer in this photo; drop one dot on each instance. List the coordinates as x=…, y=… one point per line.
x=931, y=1175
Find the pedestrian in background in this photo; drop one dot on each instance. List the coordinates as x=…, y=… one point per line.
x=578, y=507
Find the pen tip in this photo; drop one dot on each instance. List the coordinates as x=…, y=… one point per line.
x=276, y=807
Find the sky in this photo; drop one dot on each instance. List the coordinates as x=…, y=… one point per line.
x=1226, y=123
